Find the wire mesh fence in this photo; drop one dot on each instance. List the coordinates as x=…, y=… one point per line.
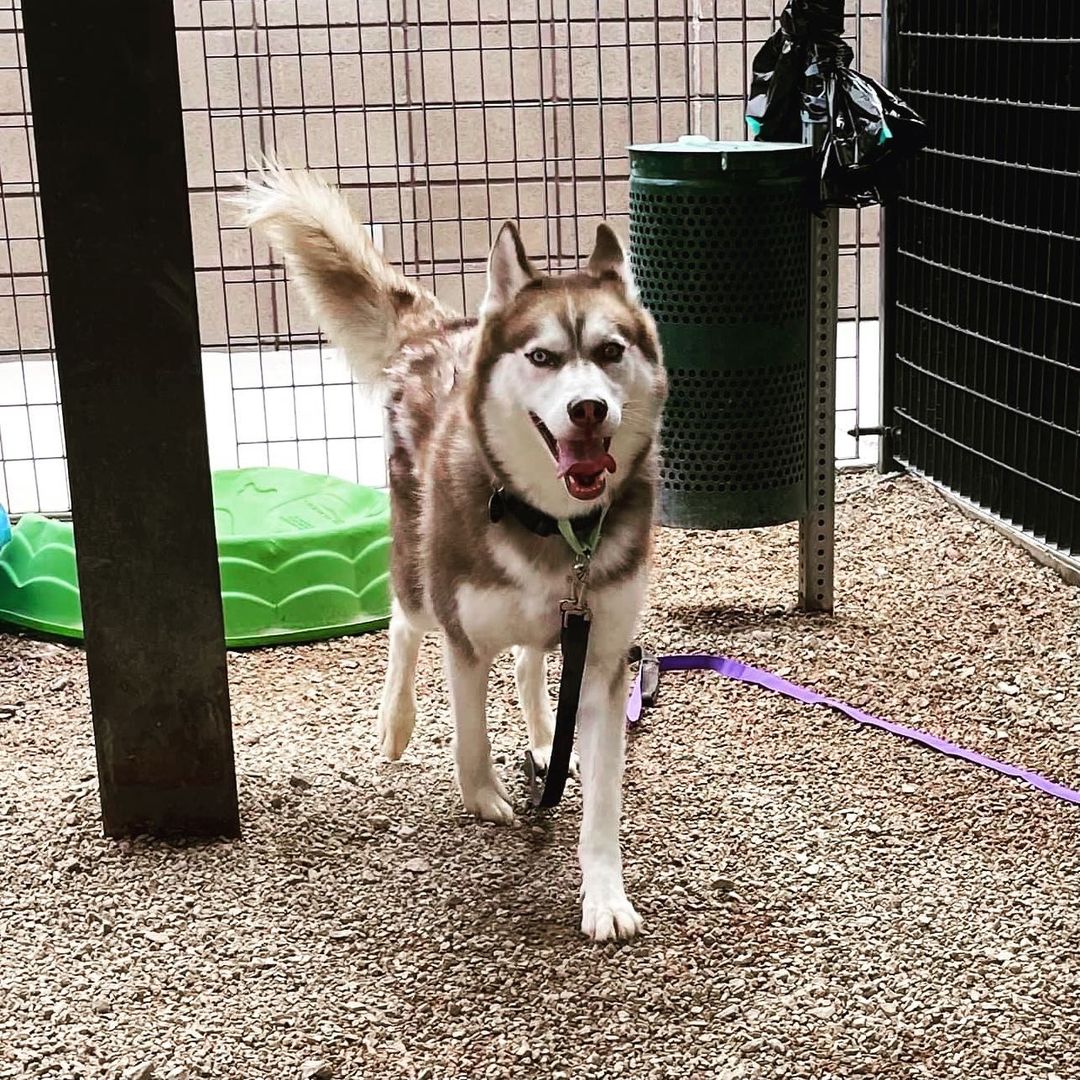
x=439, y=119
x=985, y=291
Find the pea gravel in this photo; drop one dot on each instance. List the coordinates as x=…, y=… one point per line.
x=822, y=901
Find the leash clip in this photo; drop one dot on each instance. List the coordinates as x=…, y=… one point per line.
x=579, y=578
x=574, y=609
x=648, y=674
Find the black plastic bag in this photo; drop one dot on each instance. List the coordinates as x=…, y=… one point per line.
x=871, y=132
x=804, y=90
x=787, y=79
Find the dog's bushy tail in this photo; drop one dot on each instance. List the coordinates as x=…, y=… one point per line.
x=363, y=304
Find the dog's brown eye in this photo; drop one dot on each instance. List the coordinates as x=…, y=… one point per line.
x=540, y=357
x=612, y=350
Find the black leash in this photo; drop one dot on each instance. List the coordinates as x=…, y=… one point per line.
x=582, y=535
x=546, y=787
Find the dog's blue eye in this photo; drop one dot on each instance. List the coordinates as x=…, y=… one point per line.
x=612, y=350
x=540, y=357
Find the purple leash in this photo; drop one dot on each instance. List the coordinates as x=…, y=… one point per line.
x=732, y=669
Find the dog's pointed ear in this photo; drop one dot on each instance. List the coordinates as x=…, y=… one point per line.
x=508, y=269
x=608, y=260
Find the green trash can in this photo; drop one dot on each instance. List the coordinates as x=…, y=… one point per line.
x=720, y=250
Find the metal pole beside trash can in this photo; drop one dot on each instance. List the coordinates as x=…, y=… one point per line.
x=817, y=529
x=725, y=254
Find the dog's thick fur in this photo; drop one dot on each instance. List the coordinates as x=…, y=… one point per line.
x=482, y=403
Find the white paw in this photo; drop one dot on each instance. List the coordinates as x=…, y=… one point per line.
x=395, y=728
x=542, y=758
x=489, y=802
x=607, y=915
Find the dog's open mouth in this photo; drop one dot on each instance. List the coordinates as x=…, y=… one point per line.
x=582, y=463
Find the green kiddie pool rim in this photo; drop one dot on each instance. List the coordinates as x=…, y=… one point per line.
x=302, y=557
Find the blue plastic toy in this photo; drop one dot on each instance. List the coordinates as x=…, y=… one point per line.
x=5, y=526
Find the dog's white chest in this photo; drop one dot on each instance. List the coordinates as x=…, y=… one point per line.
x=525, y=612
x=494, y=619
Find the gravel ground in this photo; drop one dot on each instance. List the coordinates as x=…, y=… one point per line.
x=822, y=901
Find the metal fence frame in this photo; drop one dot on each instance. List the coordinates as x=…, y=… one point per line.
x=438, y=118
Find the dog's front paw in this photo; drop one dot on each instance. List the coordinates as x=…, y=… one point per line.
x=395, y=728
x=489, y=802
x=607, y=915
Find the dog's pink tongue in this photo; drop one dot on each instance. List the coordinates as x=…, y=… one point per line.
x=583, y=457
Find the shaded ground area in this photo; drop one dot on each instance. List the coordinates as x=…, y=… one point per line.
x=822, y=901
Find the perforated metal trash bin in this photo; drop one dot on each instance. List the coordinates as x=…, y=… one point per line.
x=720, y=249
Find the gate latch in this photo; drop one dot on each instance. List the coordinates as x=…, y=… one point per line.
x=889, y=432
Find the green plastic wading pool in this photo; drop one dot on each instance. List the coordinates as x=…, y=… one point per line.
x=302, y=557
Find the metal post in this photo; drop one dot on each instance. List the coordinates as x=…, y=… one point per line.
x=817, y=529
x=105, y=90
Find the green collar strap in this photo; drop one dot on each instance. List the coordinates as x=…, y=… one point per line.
x=583, y=548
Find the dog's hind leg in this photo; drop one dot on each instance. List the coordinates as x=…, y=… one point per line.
x=481, y=789
x=530, y=672
x=397, y=713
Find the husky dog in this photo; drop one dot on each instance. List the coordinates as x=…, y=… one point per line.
x=552, y=400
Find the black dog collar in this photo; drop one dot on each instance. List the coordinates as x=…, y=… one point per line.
x=504, y=503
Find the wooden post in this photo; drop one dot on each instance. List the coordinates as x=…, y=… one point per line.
x=105, y=92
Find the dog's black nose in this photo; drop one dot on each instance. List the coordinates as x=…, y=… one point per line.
x=587, y=412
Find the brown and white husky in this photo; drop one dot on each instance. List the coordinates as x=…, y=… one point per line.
x=552, y=397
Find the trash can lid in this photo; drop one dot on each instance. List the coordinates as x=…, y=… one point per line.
x=699, y=157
